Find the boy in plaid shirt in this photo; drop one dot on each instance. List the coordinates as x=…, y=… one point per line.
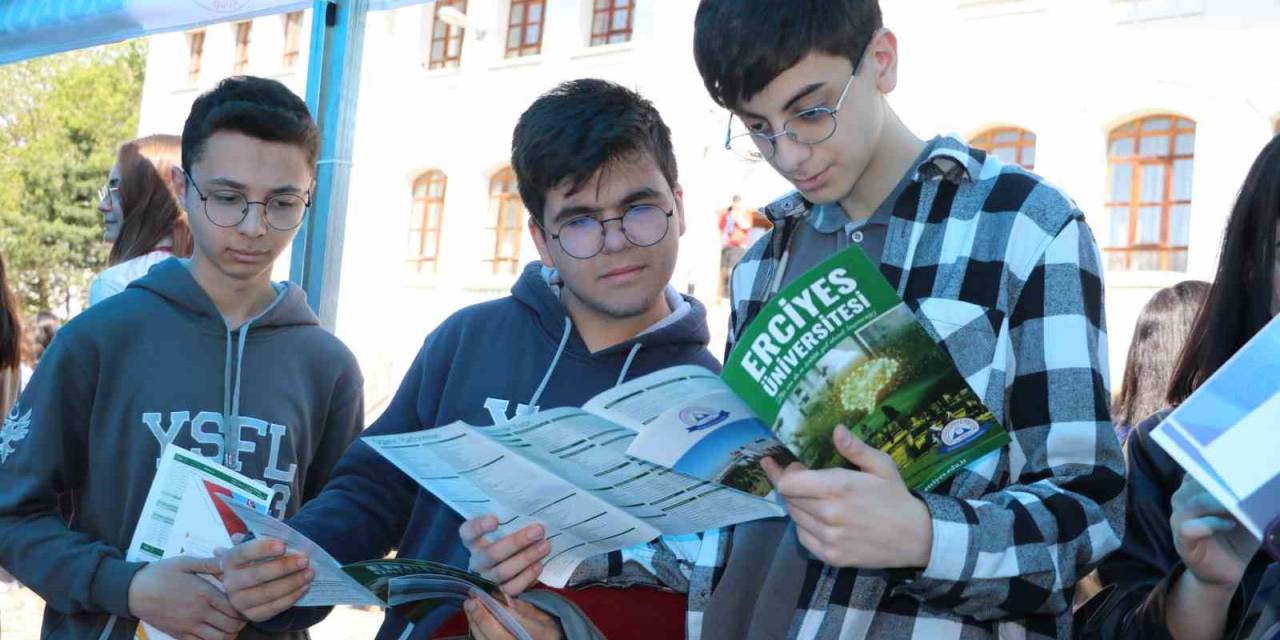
x=1001, y=269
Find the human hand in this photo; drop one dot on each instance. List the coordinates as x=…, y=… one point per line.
x=261, y=581
x=866, y=519
x=173, y=597
x=1215, y=548
x=514, y=562
x=535, y=622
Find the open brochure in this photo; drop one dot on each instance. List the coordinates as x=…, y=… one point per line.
x=417, y=586
x=185, y=513
x=678, y=451
x=1225, y=435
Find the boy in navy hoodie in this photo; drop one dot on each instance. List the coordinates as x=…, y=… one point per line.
x=207, y=354
x=596, y=171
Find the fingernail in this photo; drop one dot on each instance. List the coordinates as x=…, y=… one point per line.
x=535, y=534
x=470, y=606
x=843, y=438
x=300, y=563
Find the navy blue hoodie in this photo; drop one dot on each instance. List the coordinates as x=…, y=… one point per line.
x=482, y=365
x=154, y=365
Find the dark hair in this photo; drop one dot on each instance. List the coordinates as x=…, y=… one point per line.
x=742, y=45
x=1239, y=302
x=40, y=332
x=1161, y=331
x=10, y=324
x=577, y=129
x=257, y=107
x=150, y=210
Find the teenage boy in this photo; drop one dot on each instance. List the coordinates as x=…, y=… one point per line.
x=596, y=171
x=1001, y=269
x=207, y=354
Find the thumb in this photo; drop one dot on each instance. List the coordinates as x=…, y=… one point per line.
x=190, y=564
x=869, y=459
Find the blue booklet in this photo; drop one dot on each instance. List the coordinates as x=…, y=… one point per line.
x=1227, y=434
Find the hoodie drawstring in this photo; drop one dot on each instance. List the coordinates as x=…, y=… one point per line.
x=564, y=340
x=231, y=392
x=627, y=365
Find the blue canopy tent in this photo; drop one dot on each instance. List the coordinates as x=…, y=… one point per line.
x=31, y=28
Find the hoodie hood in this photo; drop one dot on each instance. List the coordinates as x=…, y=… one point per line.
x=173, y=282
x=536, y=289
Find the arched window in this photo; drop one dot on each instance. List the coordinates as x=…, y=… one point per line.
x=508, y=218
x=1014, y=145
x=1150, y=162
x=425, y=221
x=611, y=21
x=446, y=39
x=524, y=27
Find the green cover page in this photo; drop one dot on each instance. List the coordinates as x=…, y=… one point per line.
x=838, y=346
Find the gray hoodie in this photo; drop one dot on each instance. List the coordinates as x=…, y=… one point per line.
x=153, y=365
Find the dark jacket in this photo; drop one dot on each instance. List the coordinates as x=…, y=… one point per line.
x=1137, y=577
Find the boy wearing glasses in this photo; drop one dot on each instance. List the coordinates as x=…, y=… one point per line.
x=999, y=266
x=207, y=354
x=597, y=173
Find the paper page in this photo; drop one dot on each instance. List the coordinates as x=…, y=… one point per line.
x=640, y=401
x=180, y=516
x=331, y=585
x=1225, y=434
x=475, y=476
x=590, y=452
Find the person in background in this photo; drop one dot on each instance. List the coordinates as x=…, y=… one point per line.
x=735, y=227
x=1186, y=568
x=39, y=334
x=13, y=372
x=1159, y=335
x=141, y=216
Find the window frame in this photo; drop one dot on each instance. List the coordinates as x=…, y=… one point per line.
x=522, y=49
x=244, y=36
x=195, y=55
x=1134, y=129
x=425, y=210
x=986, y=141
x=503, y=192
x=450, y=34
x=606, y=37
x=292, y=40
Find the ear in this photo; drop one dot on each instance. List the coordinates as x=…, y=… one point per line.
x=540, y=242
x=678, y=191
x=178, y=180
x=883, y=52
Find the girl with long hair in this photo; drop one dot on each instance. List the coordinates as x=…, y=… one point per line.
x=1186, y=569
x=1161, y=331
x=141, y=216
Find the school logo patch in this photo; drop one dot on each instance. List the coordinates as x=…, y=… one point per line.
x=15, y=429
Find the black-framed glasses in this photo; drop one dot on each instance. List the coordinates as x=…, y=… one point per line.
x=645, y=225
x=810, y=126
x=228, y=208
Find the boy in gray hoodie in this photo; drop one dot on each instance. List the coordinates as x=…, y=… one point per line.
x=207, y=354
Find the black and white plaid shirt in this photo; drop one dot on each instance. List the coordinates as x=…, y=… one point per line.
x=1002, y=270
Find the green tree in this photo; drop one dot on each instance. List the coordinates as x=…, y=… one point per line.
x=61, y=119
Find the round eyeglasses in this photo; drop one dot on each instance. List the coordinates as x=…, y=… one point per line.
x=645, y=225
x=810, y=126
x=228, y=208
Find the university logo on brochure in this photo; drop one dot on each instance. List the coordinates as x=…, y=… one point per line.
x=700, y=418
x=959, y=432
x=15, y=429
